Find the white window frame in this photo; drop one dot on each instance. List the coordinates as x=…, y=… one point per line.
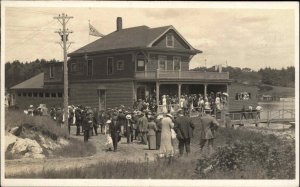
x=137, y=65
x=172, y=38
x=118, y=68
x=51, y=71
x=158, y=61
x=112, y=62
x=179, y=63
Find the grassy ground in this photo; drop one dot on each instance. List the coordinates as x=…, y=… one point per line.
x=44, y=124
x=239, y=154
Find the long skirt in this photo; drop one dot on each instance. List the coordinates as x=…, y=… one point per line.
x=158, y=136
x=152, y=141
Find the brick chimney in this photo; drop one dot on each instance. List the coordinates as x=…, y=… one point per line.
x=119, y=23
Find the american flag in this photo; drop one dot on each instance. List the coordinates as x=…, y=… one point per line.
x=94, y=31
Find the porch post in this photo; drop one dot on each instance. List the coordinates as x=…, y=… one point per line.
x=157, y=95
x=134, y=92
x=179, y=92
x=227, y=91
x=205, y=91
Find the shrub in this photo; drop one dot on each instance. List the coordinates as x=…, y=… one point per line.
x=276, y=162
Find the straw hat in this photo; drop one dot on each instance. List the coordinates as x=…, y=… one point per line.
x=128, y=116
x=170, y=115
x=108, y=121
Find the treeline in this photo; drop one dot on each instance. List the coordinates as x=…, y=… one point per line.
x=276, y=77
x=17, y=72
x=283, y=77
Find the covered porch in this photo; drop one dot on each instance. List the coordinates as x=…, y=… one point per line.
x=155, y=91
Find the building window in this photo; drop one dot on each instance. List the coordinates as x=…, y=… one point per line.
x=110, y=65
x=19, y=94
x=59, y=94
x=120, y=65
x=176, y=63
x=242, y=96
x=35, y=94
x=73, y=67
x=29, y=94
x=140, y=65
x=47, y=94
x=169, y=40
x=53, y=94
x=162, y=63
x=51, y=71
x=41, y=94
x=90, y=67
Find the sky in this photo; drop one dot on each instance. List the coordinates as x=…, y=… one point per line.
x=254, y=38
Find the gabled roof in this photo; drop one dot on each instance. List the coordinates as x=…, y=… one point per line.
x=36, y=82
x=135, y=37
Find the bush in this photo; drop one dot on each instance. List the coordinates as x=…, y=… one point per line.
x=275, y=162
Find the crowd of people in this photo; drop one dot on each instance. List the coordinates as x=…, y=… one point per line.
x=212, y=102
x=157, y=131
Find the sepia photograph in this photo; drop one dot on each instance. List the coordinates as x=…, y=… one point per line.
x=149, y=93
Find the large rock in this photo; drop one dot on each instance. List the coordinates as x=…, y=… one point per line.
x=26, y=145
x=9, y=140
x=48, y=143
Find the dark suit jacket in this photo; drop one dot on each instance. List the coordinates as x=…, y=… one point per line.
x=184, y=127
x=115, y=128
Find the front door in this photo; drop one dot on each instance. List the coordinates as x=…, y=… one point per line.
x=141, y=92
x=102, y=99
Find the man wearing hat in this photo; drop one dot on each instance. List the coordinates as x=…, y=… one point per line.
x=143, y=124
x=87, y=124
x=208, y=126
x=184, y=129
x=30, y=110
x=115, y=130
x=129, y=128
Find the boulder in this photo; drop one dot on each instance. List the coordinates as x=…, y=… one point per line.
x=26, y=145
x=48, y=143
x=9, y=140
x=20, y=146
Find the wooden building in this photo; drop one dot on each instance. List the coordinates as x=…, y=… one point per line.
x=130, y=64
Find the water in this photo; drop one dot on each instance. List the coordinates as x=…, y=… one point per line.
x=284, y=103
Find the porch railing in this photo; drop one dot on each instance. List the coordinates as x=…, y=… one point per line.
x=193, y=75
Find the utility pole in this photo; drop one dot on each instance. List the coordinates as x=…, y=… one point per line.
x=64, y=33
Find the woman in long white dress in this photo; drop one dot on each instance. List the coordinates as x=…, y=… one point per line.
x=166, y=147
x=164, y=103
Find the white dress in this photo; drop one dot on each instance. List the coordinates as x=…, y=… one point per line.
x=218, y=103
x=166, y=147
x=164, y=102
